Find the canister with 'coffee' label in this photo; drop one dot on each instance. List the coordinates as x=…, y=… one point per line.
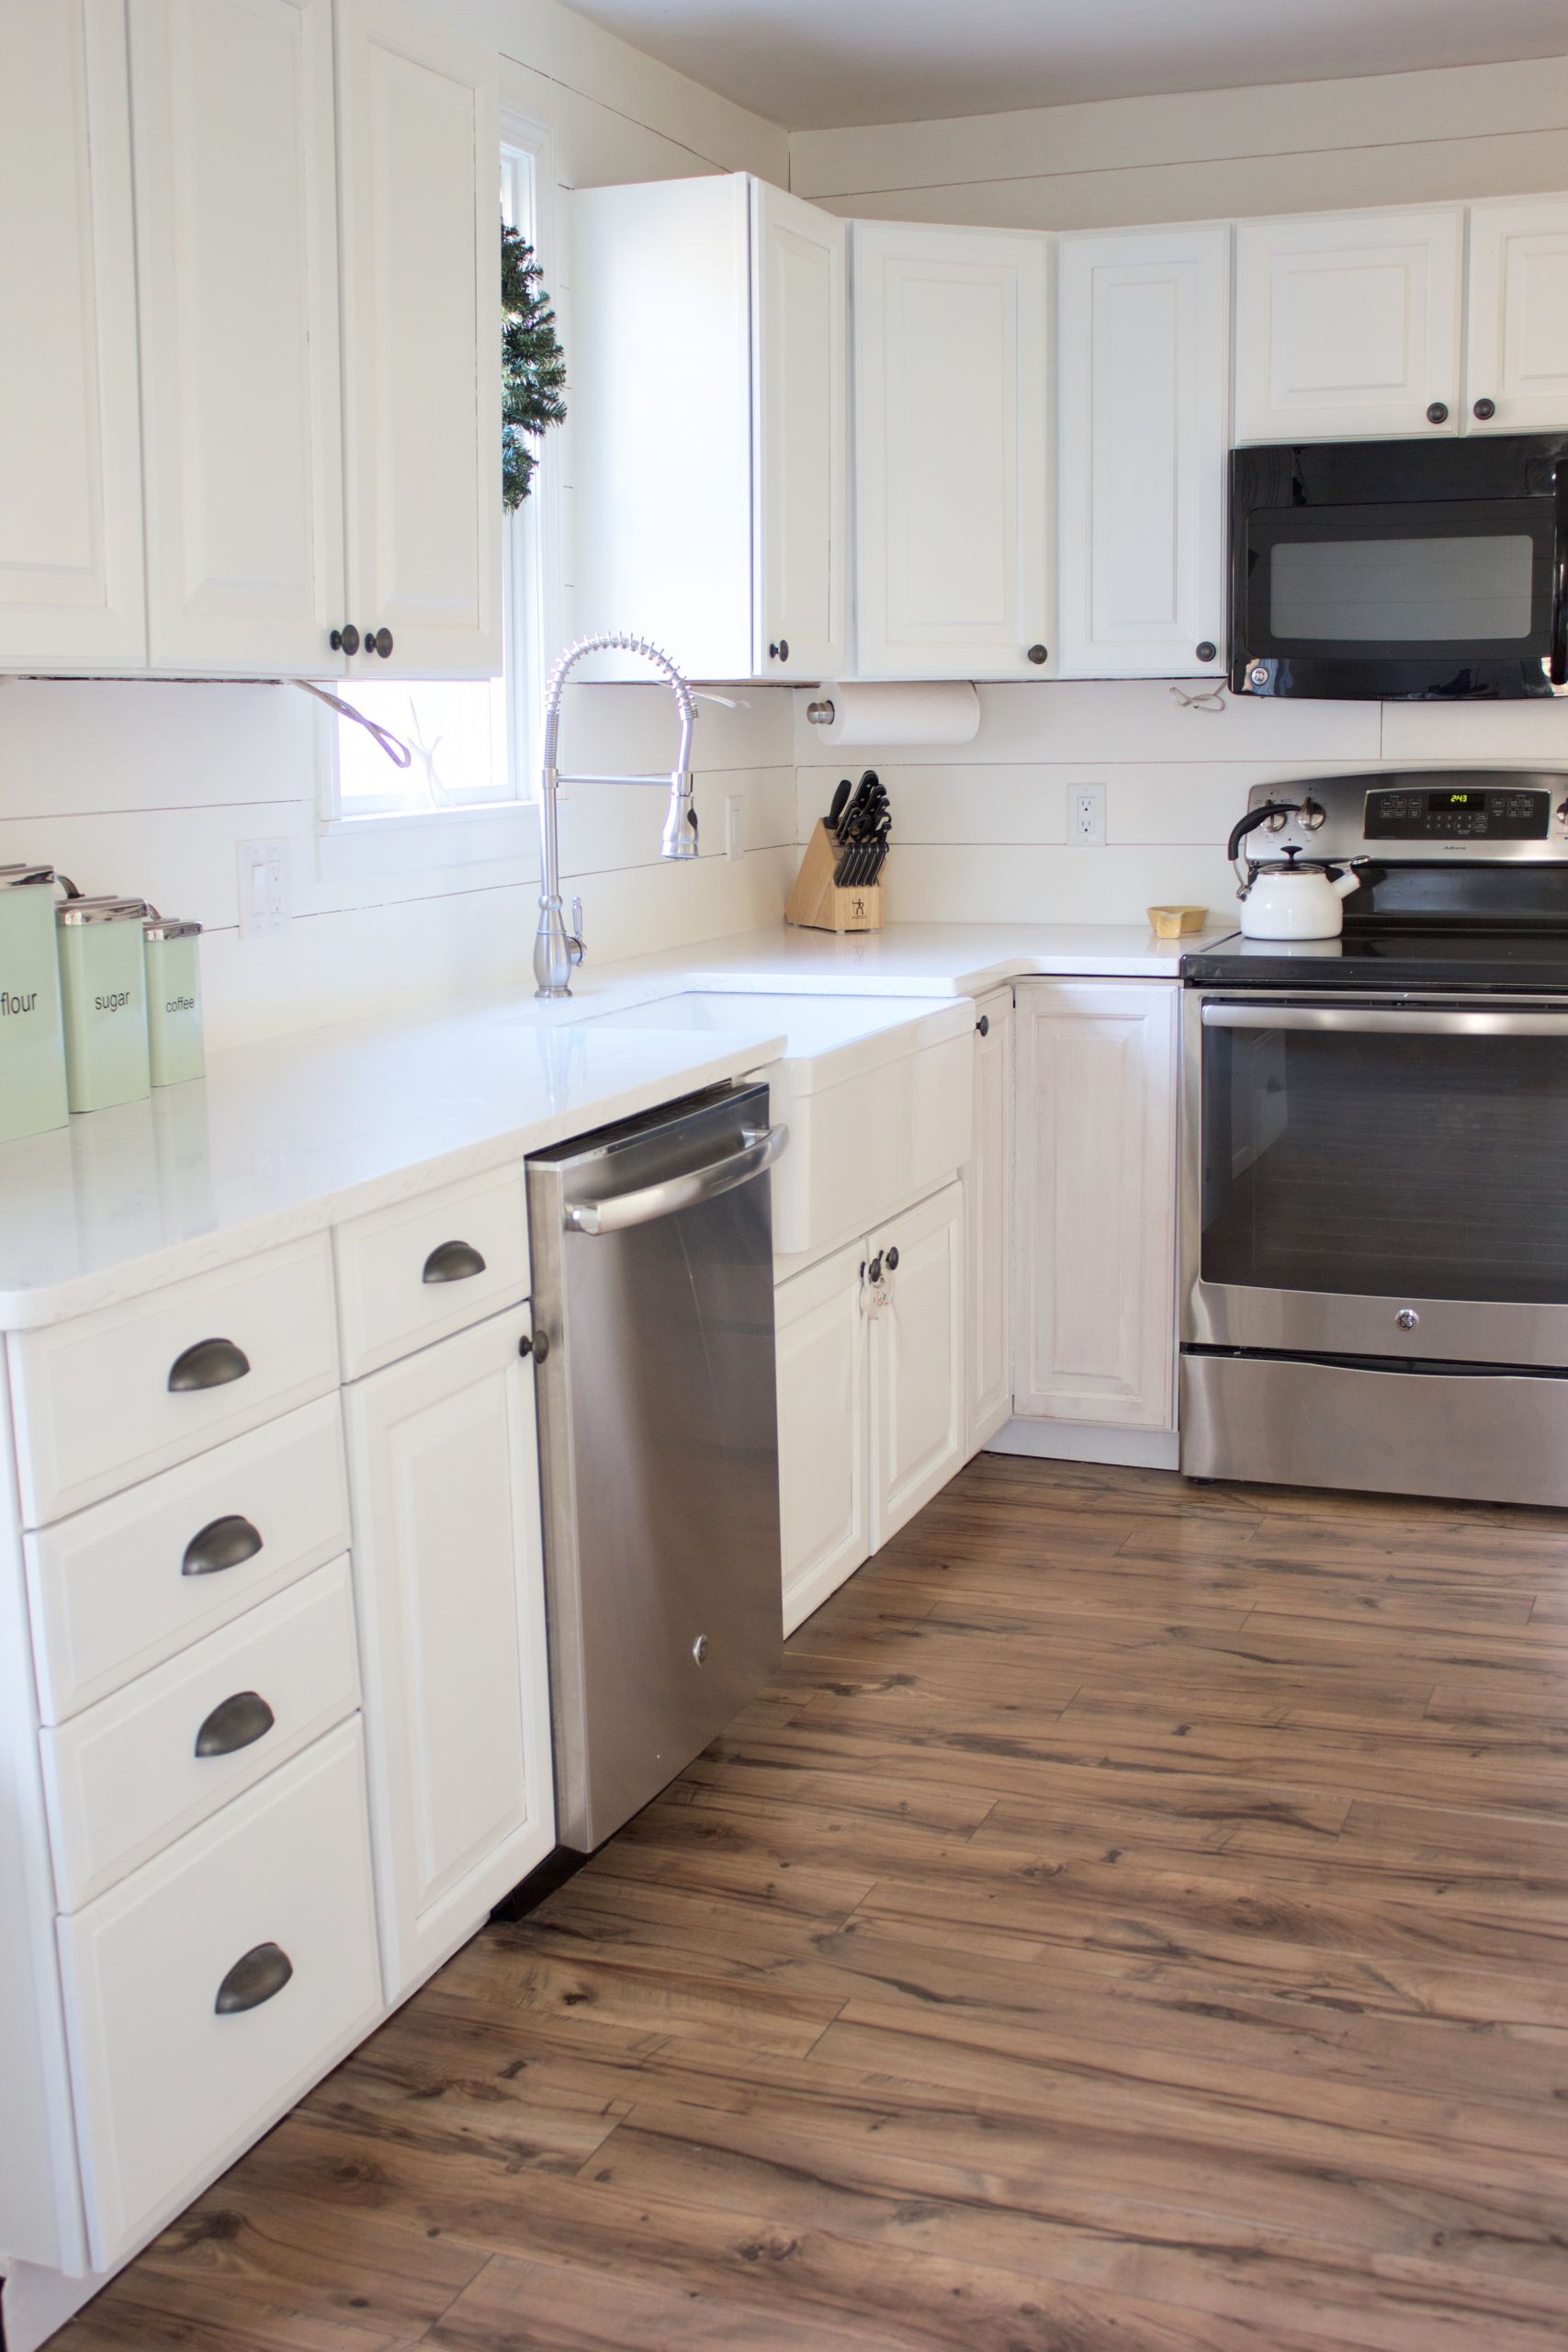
x=103, y=986
x=32, y=1045
x=174, y=999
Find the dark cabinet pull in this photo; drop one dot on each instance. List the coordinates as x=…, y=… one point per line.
x=780, y=650
x=344, y=640
x=212, y=1363
x=874, y=1271
x=1206, y=649
x=453, y=1261
x=1438, y=413
x=380, y=640
x=256, y=1977
x=892, y=1260
x=1037, y=654
x=234, y=1723
x=1485, y=410
x=221, y=1543
x=983, y=1024
x=535, y=1344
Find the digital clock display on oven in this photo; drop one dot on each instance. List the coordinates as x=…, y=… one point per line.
x=1463, y=814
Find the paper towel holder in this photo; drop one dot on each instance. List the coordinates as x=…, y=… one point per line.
x=821, y=714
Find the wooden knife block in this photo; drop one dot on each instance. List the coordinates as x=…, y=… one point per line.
x=817, y=903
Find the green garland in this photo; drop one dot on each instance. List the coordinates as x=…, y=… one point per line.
x=533, y=365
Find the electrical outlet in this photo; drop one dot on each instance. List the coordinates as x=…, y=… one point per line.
x=734, y=826
x=266, y=897
x=1086, y=815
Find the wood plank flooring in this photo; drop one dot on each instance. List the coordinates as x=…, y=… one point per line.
x=1135, y=1919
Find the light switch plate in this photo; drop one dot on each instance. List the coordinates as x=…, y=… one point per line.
x=266, y=895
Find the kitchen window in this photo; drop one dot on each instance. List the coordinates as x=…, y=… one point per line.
x=472, y=742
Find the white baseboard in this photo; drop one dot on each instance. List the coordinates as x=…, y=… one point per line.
x=37, y=2303
x=1088, y=1441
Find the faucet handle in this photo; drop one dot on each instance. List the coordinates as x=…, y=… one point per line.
x=574, y=941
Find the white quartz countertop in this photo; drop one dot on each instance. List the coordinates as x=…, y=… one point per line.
x=296, y=1133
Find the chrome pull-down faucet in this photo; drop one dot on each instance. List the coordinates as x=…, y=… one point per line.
x=556, y=949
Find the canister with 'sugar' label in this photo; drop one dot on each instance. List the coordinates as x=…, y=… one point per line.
x=103, y=986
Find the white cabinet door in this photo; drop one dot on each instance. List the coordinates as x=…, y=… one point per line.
x=71, y=586
x=1095, y=1315
x=823, y=1431
x=798, y=391
x=918, y=1406
x=988, y=1219
x=1142, y=346
x=449, y=1568
x=1517, y=372
x=1348, y=324
x=236, y=221
x=952, y=578
x=418, y=198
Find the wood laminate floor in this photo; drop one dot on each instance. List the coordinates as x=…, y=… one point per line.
x=1134, y=1921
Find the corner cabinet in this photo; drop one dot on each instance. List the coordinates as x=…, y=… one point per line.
x=1142, y=343
x=444, y=1480
x=1095, y=1307
x=709, y=425
x=952, y=545
x=988, y=1217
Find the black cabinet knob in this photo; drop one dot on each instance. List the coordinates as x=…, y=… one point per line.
x=344, y=640
x=1485, y=410
x=535, y=1344
x=380, y=640
x=892, y=1260
x=874, y=1271
x=983, y=1024
x=1438, y=413
x=1206, y=649
x=780, y=651
x=1038, y=653
x=212, y=1363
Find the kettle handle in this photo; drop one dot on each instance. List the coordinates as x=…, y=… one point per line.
x=1253, y=818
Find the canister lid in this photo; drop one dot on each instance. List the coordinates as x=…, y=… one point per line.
x=18, y=878
x=169, y=927
x=80, y=910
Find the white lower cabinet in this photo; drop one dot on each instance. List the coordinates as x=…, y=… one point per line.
x=207, y=1991
x=449, y=1570
x=988, y=1219
x=824, y=1433
x=872, y=1394
x=1095, y=1306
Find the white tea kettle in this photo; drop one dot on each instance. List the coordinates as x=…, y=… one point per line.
x=1293, y=897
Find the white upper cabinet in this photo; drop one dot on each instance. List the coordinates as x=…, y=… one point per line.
x=70, y=583
x=419, y=164
x=1143, y=344
x=708, y=426
x=1516, y=373
x=1348, y=325
x=236, y=222
x=951, y=570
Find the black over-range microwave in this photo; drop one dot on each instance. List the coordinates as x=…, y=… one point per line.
x=1401, y=571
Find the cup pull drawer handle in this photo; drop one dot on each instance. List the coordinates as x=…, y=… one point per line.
x=453, y=1261
x=212, y=1363
x=221, y=1543
x=256, y=1977
x=234, y=1723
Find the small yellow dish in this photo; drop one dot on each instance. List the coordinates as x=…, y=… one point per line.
x=1173, y=922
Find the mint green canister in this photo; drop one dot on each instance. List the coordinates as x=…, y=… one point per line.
x=174, y=999
x=103, y=988
x=32, y=1045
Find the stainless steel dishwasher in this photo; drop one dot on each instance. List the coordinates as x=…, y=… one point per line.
x=653, y=1288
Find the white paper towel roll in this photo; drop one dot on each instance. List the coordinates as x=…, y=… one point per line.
x=898, y=717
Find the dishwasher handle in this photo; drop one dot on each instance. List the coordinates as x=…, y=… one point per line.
x=763, y=1145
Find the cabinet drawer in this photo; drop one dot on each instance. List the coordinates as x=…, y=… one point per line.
x=429, y=1267
x=144, y=1766
x=110, y=1397
x=168, y=2085
x=117, y=1590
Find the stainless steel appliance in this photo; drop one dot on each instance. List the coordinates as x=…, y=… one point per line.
x=1374, y=1211
x=1401, y=570
x=653, y=1318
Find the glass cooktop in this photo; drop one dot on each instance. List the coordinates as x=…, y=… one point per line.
x=1393, y=957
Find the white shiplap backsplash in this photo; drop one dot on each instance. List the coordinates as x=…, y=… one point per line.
x=982, y=834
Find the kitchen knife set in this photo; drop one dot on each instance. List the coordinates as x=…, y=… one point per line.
x=860, y=826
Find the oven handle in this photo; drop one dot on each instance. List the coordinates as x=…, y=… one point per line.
x=1397, y=1021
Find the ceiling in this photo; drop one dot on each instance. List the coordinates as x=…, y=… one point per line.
x=819, y=64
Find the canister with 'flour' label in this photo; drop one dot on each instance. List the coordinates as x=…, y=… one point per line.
x=32, y=1045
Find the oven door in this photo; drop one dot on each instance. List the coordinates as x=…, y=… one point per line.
x=1370, y=1178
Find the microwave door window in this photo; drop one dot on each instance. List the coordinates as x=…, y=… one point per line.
x=1406, y=592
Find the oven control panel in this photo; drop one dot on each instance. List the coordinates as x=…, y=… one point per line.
x=1461, y=813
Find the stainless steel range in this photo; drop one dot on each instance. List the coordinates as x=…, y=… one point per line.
x=1374, y=1213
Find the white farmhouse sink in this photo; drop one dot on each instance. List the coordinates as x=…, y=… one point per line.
x=876, y=1093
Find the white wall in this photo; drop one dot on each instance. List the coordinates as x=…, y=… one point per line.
x=149, y=789
x=1390, y=139
x=981, y=836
